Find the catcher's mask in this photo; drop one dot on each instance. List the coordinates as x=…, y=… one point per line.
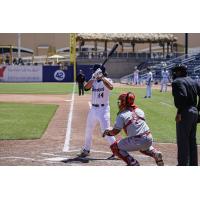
x=97, y=66
x=126, y=100
x=179, y=70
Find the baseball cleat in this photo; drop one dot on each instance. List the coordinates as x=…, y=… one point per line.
x=158, y=158
x=84, y=153
x=112, y=157
x=134, y=163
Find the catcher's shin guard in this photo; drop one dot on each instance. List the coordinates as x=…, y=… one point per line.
x=154, y=153
x=129, y=160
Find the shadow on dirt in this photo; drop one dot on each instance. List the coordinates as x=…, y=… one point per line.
x=86, y=160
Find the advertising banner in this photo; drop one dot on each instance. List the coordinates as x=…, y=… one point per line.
x=22, y=73
x=2, y=72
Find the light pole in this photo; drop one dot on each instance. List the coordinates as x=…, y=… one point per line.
x=19, y=44
x=186, y=44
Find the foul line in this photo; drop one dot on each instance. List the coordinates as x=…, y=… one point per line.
x=90, y=104
x=69, y=123
x=15, y=157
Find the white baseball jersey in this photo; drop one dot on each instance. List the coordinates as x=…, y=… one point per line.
x=165, y=74
x=164, y=81
x=136, y=77
x=136, y=73
x=149, y=78
x=100, y=93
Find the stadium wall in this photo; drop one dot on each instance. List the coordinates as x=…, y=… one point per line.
x=21, y=73
x=42, y=73
x=116, y=68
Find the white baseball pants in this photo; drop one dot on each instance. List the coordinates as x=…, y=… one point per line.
x=95, y=115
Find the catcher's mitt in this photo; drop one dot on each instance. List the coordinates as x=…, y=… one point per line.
x=106, y=132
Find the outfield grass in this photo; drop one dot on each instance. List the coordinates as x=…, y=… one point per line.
x=36, y=88
x=24, y=121
x=159, y=110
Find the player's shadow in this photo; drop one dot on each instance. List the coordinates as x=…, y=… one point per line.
x=79, y=159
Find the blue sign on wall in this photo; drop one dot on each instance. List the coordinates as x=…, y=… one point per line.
x=55, y=74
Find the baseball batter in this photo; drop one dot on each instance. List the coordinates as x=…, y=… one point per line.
x=139, y=138
x=100, y=109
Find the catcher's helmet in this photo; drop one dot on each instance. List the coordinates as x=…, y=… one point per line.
x=126, y=100
x=97, y=66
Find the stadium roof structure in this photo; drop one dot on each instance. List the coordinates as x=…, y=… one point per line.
x=128, y=37
x=7, y=48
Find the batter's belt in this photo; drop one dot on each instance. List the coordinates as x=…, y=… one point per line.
x=98, y=105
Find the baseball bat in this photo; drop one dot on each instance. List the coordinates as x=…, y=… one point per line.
x=110, y=54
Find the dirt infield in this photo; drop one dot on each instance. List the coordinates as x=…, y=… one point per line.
x=49, y=149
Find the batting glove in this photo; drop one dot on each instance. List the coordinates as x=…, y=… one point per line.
x=93, y=77
x=97, y=74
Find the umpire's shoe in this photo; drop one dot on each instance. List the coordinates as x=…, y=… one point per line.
x=84, y=153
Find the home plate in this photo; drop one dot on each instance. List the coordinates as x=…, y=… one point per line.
x=56, y=159
x=68, y=100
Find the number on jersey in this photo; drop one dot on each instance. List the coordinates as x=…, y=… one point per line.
x=100, y=95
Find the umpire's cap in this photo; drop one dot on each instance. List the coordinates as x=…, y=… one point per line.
x=97, y=66
x=179, y=67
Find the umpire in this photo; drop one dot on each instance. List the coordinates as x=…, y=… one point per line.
x=185, y=91
x=80, y=79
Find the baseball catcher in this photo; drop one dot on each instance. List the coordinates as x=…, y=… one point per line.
x=131, y=119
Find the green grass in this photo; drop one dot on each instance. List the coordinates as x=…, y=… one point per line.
x=159, y=111
x=36, y=88
x=24, y=121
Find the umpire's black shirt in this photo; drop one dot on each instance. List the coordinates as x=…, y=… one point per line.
x=185, y=91
x=80, y=78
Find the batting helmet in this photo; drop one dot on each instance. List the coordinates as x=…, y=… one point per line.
x=97, y=66
x=126, y=100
